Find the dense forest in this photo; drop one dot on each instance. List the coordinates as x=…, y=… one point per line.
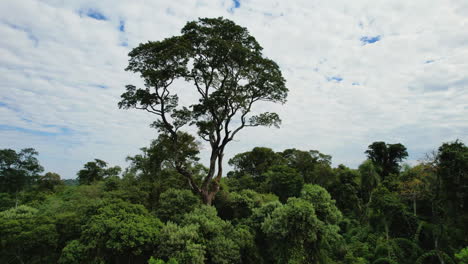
x=290, y=206
x=273, y=207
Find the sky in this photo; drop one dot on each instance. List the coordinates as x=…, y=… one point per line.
x=357, y=71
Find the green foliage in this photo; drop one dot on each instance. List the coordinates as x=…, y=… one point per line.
x=73, y=253
x=310, y=164
x=289, y=206
x=346, y=191
x=95, y=171
x=384, y=261
x=18, y=170
x=435, y=254
x=175, y=203
x=350, y=217
x=386, y=157
x=250, y=168
x=26, y=236
x=385, y=206
x=49, y=181
x=452, y=164
x=462, y=256
x=255, y=162
x=299, y=235
x=324, y=205
x=181, y=243
x=240, y=205
x=369, y=178
x=108, y=221
x=228, y=71
x=116, y=230
x=284, y=181
x=160, y=261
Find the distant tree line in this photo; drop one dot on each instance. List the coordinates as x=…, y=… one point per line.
x=290, y=206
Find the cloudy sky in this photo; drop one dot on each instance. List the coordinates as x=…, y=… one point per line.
x=358, y=71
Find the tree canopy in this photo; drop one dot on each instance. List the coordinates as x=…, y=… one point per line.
x=227, y=70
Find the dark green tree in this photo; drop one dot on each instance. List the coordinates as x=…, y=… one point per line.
x=346, y=191
x=310, y=164
x=229, y=73
x=49, y=180
x=239, y=205
x=154, y=171
x=175, y=203
x=386, y=157
x=117, y=231
x=26, y=236
x=18, y=169
x=385, y=207
x=253, y=164
x=452, y=168
x=299, y=235
x=370, y=179
x=284, y=181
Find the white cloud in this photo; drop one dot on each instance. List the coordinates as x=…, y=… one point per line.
x=409, y=87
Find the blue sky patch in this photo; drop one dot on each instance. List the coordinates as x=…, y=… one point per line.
x=101, y=86
x=122, y=26
x=7, y=106
x=236, y=4
x=63, y=131
x=28, y=32
x=334, y=79
x=370, y=40
x=93, y=13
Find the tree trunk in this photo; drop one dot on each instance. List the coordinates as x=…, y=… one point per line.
x=210, y=186
x=414, y=207
x=436, y=246
x=386, y=230
x=16, y=199
x=208, y=196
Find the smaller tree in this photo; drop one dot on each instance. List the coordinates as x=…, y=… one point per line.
x=175, y=203
x=414, y=184
x=299, y=236
x=18, y=170
x=346, y=190
x=26, y=236
x=307, y=163
x=96, y=171
x=452, y=169
x=254, y=163
x=49, y=180
x=117, y=231
x=370, y=179
x=385, y=206
x=284, y=181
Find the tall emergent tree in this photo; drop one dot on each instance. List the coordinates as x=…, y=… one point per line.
x=228, y=71
x=386, y=157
